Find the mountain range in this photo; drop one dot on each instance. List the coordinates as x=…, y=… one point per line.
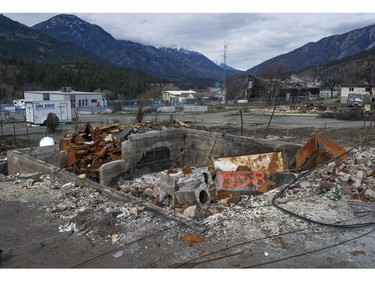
x=18, y=41
x=319, y=53
x=159, y=62
x=65, y=38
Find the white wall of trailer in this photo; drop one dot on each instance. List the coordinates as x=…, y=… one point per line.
x=36, y=112
x=81, y=99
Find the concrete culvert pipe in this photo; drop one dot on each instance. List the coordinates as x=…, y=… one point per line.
x=203, y=197
x=193, y=193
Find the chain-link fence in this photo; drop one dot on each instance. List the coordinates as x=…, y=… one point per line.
x=11, y=112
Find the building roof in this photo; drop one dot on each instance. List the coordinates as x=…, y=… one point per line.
x=65, y=93
x=179, y=93
x=355, y=85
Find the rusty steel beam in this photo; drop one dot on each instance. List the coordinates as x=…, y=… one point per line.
x=316, y=151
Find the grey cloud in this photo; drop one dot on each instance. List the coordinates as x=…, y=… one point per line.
x=352, y=25
x=253, y=37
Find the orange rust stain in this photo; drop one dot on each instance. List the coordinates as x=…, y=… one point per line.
x=187, y=170
x=275, y=163
x=225, y=194
x=191, y=239
x=243, y=168
x=267, y=186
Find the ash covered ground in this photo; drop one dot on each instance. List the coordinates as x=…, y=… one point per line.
x=47, y=223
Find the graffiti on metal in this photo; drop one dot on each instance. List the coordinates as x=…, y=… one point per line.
x=240, y=180
x=247, y=172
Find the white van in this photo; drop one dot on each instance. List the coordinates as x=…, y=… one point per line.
x=359, y=100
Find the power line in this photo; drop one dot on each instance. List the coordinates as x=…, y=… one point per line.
x=226, y=43
x=250, y=242
x=314, y=251
x=127, y=244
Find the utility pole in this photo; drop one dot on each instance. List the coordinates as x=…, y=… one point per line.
x=225, y=70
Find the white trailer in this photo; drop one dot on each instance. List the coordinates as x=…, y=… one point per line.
x=37, y=111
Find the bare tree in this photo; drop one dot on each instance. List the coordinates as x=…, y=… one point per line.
x=274, y=74
x=329, y=79
x=330, y=83
x=370, y=66
x=235, y=86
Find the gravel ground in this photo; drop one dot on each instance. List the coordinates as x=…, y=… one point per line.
x=53, y=224
x=48, y=223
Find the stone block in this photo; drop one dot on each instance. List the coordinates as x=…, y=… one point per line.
x=370, y=193
x=168, y=185
x=343, y=176
x=360, y=175
x=193, y=212
x=304, y=184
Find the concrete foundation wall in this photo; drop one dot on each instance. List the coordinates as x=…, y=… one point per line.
x=153, y=152
x=186, y=147
x=138, y=149
x=201, y=146
x=49, y=154
x=29, y=160
x=113, y=172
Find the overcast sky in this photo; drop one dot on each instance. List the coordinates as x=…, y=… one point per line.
x=254, y=33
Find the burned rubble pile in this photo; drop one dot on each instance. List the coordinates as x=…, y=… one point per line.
x=305, y=107
x=206, y=194
x=330, y=193
x=89, y=148
x=199, y=193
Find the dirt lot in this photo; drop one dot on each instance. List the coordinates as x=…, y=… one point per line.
x=47, y=223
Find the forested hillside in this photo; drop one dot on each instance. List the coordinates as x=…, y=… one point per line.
x=18, y=76
x=357, y=69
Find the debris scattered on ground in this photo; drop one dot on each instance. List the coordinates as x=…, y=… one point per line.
x=358, y=253
x=70, y=227
x=118, y=254
x=233, y=216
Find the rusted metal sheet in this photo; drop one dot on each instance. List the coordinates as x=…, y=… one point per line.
x=246, y=173
x=266, y=162
x=316, y=151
